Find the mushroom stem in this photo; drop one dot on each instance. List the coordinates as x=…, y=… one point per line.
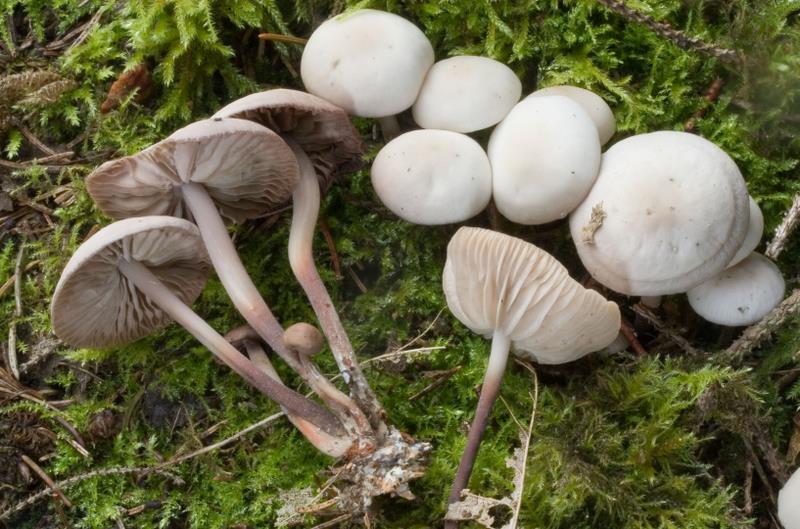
x=152, y=287
x=306, y=199
x=248, y=301
x=334, y=446
x=390, y=128
x=491, y=388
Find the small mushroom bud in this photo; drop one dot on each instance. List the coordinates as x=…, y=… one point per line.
x=303, y=338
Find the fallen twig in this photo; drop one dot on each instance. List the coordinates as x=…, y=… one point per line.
x=784, y=229
x=757, y=334
x=13, y=362
x=626, y=329
x=711, y=95
x=326, y=233
x=63, y=484
x=47, y=479
x=679, y=38
x=277, y=37
x=662, y=328
x=13, y=279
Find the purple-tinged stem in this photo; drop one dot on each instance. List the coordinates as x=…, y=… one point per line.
x=152, y=287
x=334, y=446
x=305, y=209
x=248, y=301
x=491, y=388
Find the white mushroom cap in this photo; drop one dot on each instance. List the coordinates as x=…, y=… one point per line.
x=755, y=229
x=668, y=211
x=495, y=282
x=368, y=62
x=545, y=156
x=592, y=103
x=465, y=94
x=433, y=177
x=741, y=294
x=789, y=502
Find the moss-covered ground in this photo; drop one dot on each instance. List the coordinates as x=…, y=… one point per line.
x=663, y=440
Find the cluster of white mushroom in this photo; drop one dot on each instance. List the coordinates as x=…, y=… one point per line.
x=659, y=213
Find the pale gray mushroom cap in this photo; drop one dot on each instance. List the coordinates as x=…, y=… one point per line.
x=247, y=170
x=755, y=229
x=668, y=211
x=592, y=103
x=433, y=177
x=741, y=294
x=370, y=63
x=789, y=502
x=321, y=129
x=545, y=157
x=496, y=282
x=465, y=94
x=95, y=305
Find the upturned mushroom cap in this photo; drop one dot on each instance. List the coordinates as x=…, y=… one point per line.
x=246, y=168
x=755, y=229
x=592, y=103
x=668, y=211
x=303, y=338
x=322, y=130
x=95, y=305
x=433, y=177
x=496, y=282
x=741, y=294
x=545, y=157
x=789, y=502
x=465, y=94
x=370, y=63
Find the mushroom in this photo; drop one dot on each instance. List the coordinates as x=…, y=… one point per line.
x=245, y=337
x=741, y=294
x=324, y=143
x=592, y=103
x=545, y=156
x=433, y=177
x=303, y=338
x=370, y=63
x=789, y=502
x=668, y=211
x=134, y=276
x=520, y=296
x=755, y=229
x=238, y=166
x=465, y=94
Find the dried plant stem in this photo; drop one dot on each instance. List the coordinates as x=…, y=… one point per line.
x=711, y=95
x=662, y=29
x=13, y=362
x=757, y=334
x=662, y=328
x=519, y=482
x=47, y=479
x=630, y=335
x=277, y=37
x=784, y=229
x=60, y=485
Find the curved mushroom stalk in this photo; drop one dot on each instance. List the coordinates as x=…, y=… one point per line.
x=520, y=294
x=306, y=199
x=334, y=446
x=491, y=388
x=221, y=165
x=108, y=295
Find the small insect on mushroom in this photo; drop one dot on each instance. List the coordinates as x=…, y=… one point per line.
x=523, y=298
x=135, y=276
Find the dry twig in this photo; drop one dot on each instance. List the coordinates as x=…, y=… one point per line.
x=662, y=328
x=12, y=361
x=757, y=334
x=784, y=229
x=664, y=30
x=47, y=479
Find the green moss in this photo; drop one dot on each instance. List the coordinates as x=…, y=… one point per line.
x=618, y=442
